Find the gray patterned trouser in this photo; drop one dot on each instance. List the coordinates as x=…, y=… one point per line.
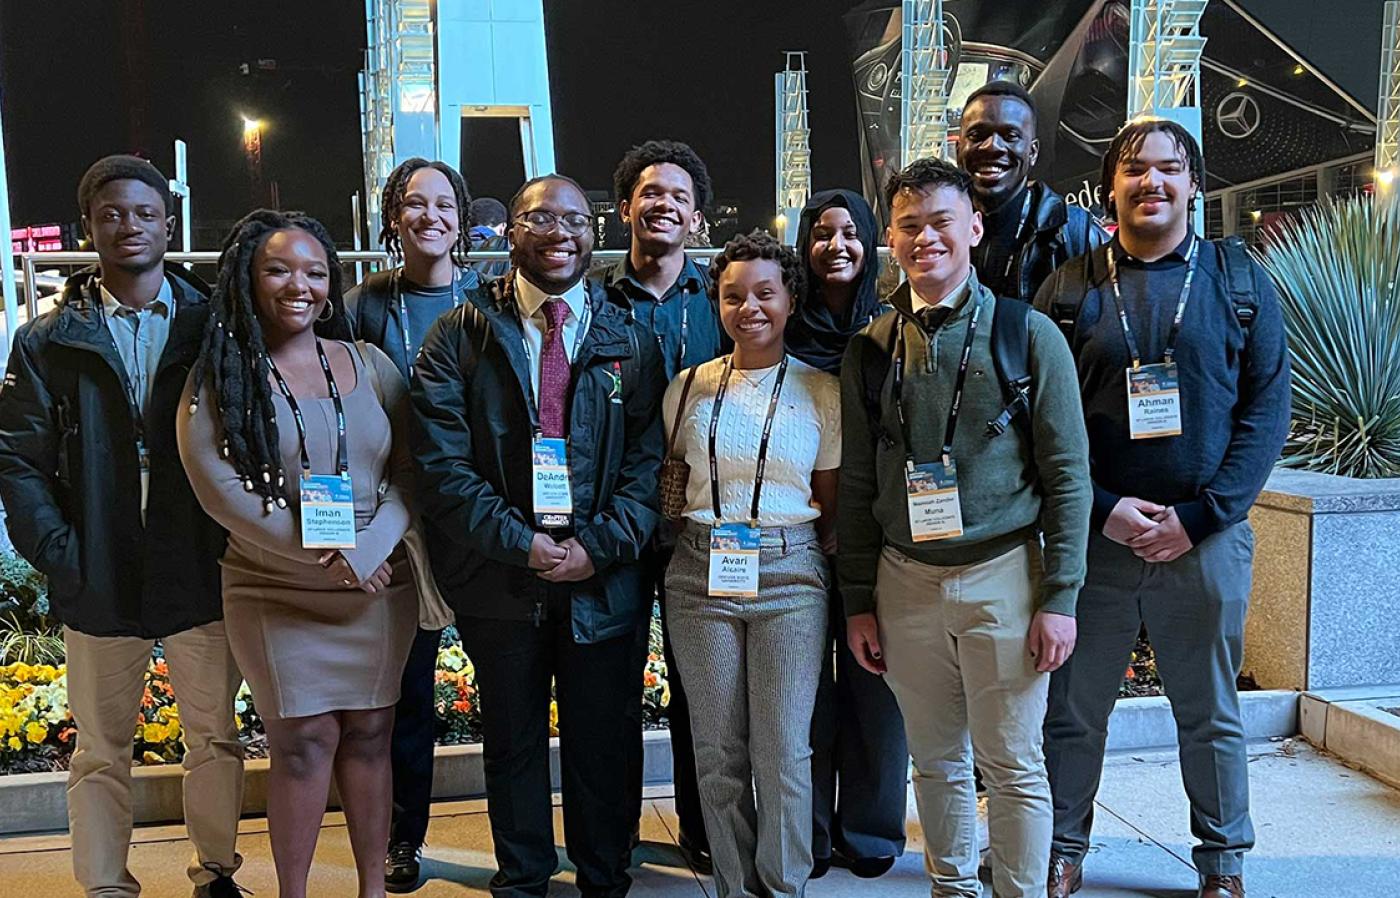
x=751, y=668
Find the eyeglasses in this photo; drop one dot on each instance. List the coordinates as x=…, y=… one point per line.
x=541, y=222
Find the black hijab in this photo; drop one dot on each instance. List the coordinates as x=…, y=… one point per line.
x=814, y=334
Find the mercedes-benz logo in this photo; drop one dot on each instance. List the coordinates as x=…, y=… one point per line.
x=1237, y=115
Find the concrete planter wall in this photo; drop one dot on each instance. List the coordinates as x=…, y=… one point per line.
x=36, y=802
x=1326, y=602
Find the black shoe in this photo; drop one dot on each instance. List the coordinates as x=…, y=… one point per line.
x=871, y=867
x=401, y=867
x=221, y=887
x=698, y=858
x=820, y=867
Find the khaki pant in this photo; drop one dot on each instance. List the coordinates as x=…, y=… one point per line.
x=106, y=676
x=954, y=639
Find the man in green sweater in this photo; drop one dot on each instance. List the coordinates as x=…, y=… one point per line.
x=961, y=553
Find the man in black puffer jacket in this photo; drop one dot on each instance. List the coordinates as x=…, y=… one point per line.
x=96, y=499
x=1029, y=229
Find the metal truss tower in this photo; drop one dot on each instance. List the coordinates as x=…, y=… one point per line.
x=1164, y=60
x=793, y=151
x=1388, y=113
x=398, y=93
x=1164, y=66
x=924, y=82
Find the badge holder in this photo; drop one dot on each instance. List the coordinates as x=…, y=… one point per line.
x=1154, y=401
x=935, y=509
x=553, y=497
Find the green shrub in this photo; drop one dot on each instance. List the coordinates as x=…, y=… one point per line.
x=1337, y=268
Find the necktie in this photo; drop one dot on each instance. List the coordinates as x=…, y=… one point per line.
x=554, y=370
x=933, y=317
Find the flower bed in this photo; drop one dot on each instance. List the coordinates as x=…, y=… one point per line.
x=37, y=731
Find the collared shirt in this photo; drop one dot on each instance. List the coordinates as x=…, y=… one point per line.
x=684, y=306
x=530, y=302
x=951, y=301
x=139, y=336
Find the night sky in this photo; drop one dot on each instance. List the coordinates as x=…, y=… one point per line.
x=83, y=78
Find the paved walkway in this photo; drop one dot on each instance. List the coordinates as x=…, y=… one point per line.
x=1323, y=830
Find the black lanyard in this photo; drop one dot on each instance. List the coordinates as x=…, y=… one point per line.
x=762, y=445
x=403, y=311
x=1169, y=353
x=342, y=463
x=957, y=386
x=133, y=401
x=531, y=404
x=1015, y=238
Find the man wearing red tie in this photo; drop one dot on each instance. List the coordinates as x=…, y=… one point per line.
x=538, y=444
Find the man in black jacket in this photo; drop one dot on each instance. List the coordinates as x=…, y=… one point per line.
x=538, y=441
x=1029, y=229
x=96, y=499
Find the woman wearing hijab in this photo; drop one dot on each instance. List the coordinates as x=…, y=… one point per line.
x=860, y=762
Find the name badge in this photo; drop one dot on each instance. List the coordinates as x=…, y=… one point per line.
x=734, y=560
x=327, y=512
x=935, y=512
x=1154, y=401
x=554, y=501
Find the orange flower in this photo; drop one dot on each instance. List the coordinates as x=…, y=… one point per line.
x=161, y=668
x=649, y=679
x=66, y=733
x=1129, y=675
x=148, y=700
x=462, y=706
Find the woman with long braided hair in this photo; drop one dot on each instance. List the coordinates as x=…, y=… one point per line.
x=294, y=441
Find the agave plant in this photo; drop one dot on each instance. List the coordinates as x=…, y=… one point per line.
x=1337, y=268
x=27, y=633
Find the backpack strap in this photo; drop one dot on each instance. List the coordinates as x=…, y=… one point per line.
x=374, y=311
x=680, y=412
x=1011, y=343
x=1238, y=270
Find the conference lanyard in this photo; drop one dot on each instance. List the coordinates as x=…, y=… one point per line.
x=1169, y=353
x=1015, y=240
x=958, y=384
x=531, y=403
x=342, y=463
x=762, y=445
x=403, y=311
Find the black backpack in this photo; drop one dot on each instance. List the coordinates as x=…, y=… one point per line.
x=1011, y=349
x=1236, y=265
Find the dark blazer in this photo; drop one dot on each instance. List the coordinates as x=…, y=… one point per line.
x=472, y=446
x=70, y=475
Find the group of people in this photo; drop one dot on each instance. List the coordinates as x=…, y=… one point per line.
x=1040, y=442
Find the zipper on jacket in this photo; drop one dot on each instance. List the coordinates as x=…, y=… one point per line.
x=539, y=612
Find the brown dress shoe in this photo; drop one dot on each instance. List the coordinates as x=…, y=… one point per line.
x=1066, y=877
x=1222, y=887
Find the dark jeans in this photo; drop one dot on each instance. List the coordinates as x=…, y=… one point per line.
x=411, y=753
x=1194, y=610
x=596, y=686
x=860, y=761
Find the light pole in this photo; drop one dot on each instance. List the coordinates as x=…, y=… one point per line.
x=252, y=148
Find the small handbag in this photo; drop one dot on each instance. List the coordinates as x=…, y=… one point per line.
x=675, y=473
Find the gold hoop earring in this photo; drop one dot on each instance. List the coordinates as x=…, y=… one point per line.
x=323, y=318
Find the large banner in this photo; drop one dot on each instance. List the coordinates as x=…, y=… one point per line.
x=1264, y=112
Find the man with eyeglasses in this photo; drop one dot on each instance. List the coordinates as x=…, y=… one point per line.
x=538, y=441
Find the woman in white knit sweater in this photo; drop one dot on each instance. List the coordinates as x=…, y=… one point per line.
x=747, y=586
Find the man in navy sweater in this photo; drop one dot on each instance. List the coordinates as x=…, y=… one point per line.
x=1183, y=369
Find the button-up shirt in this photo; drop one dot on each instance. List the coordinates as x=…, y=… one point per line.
x=683, y=320
x=139, y=336
x=951, y=301
x=530, y=301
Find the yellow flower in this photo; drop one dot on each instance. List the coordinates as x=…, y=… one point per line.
x=36, y=733
x=14, y=743
x=153, y=732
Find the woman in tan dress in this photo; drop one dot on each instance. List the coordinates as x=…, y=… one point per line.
x=275, y=413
